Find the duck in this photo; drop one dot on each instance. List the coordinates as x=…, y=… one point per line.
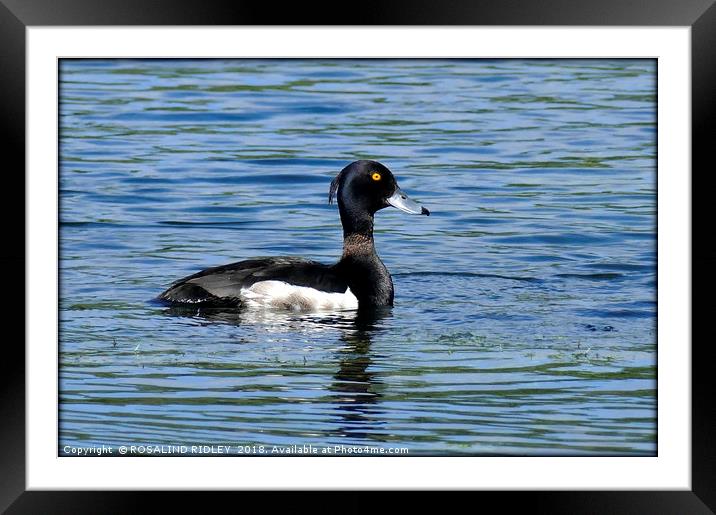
x=358, y=280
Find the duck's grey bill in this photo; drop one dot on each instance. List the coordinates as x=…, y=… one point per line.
x=402, y=202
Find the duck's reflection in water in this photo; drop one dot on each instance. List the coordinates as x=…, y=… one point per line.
x=354, y=387
x=271, y=321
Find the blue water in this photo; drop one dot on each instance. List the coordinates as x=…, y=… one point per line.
x=525, y=306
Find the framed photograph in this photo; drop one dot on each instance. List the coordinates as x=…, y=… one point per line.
x=231, y=283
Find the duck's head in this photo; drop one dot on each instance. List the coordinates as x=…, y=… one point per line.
x=364, y=187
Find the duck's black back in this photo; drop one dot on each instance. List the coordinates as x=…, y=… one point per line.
x=221, y=286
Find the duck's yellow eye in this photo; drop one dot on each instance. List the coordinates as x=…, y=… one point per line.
x=375, y=176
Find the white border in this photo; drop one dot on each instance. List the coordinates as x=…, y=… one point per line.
x=670, y=470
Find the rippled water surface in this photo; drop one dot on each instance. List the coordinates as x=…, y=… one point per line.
x=525, y=312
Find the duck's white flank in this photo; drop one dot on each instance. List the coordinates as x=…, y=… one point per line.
x=281, y=295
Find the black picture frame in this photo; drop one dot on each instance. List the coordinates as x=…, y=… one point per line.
x=17, y=15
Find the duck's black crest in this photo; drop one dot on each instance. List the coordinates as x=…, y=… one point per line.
x=334, y=187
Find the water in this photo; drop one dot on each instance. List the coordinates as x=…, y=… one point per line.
x=525, y=312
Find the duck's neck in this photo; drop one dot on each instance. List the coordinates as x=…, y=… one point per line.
x=365, y=273
x=356, y=222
